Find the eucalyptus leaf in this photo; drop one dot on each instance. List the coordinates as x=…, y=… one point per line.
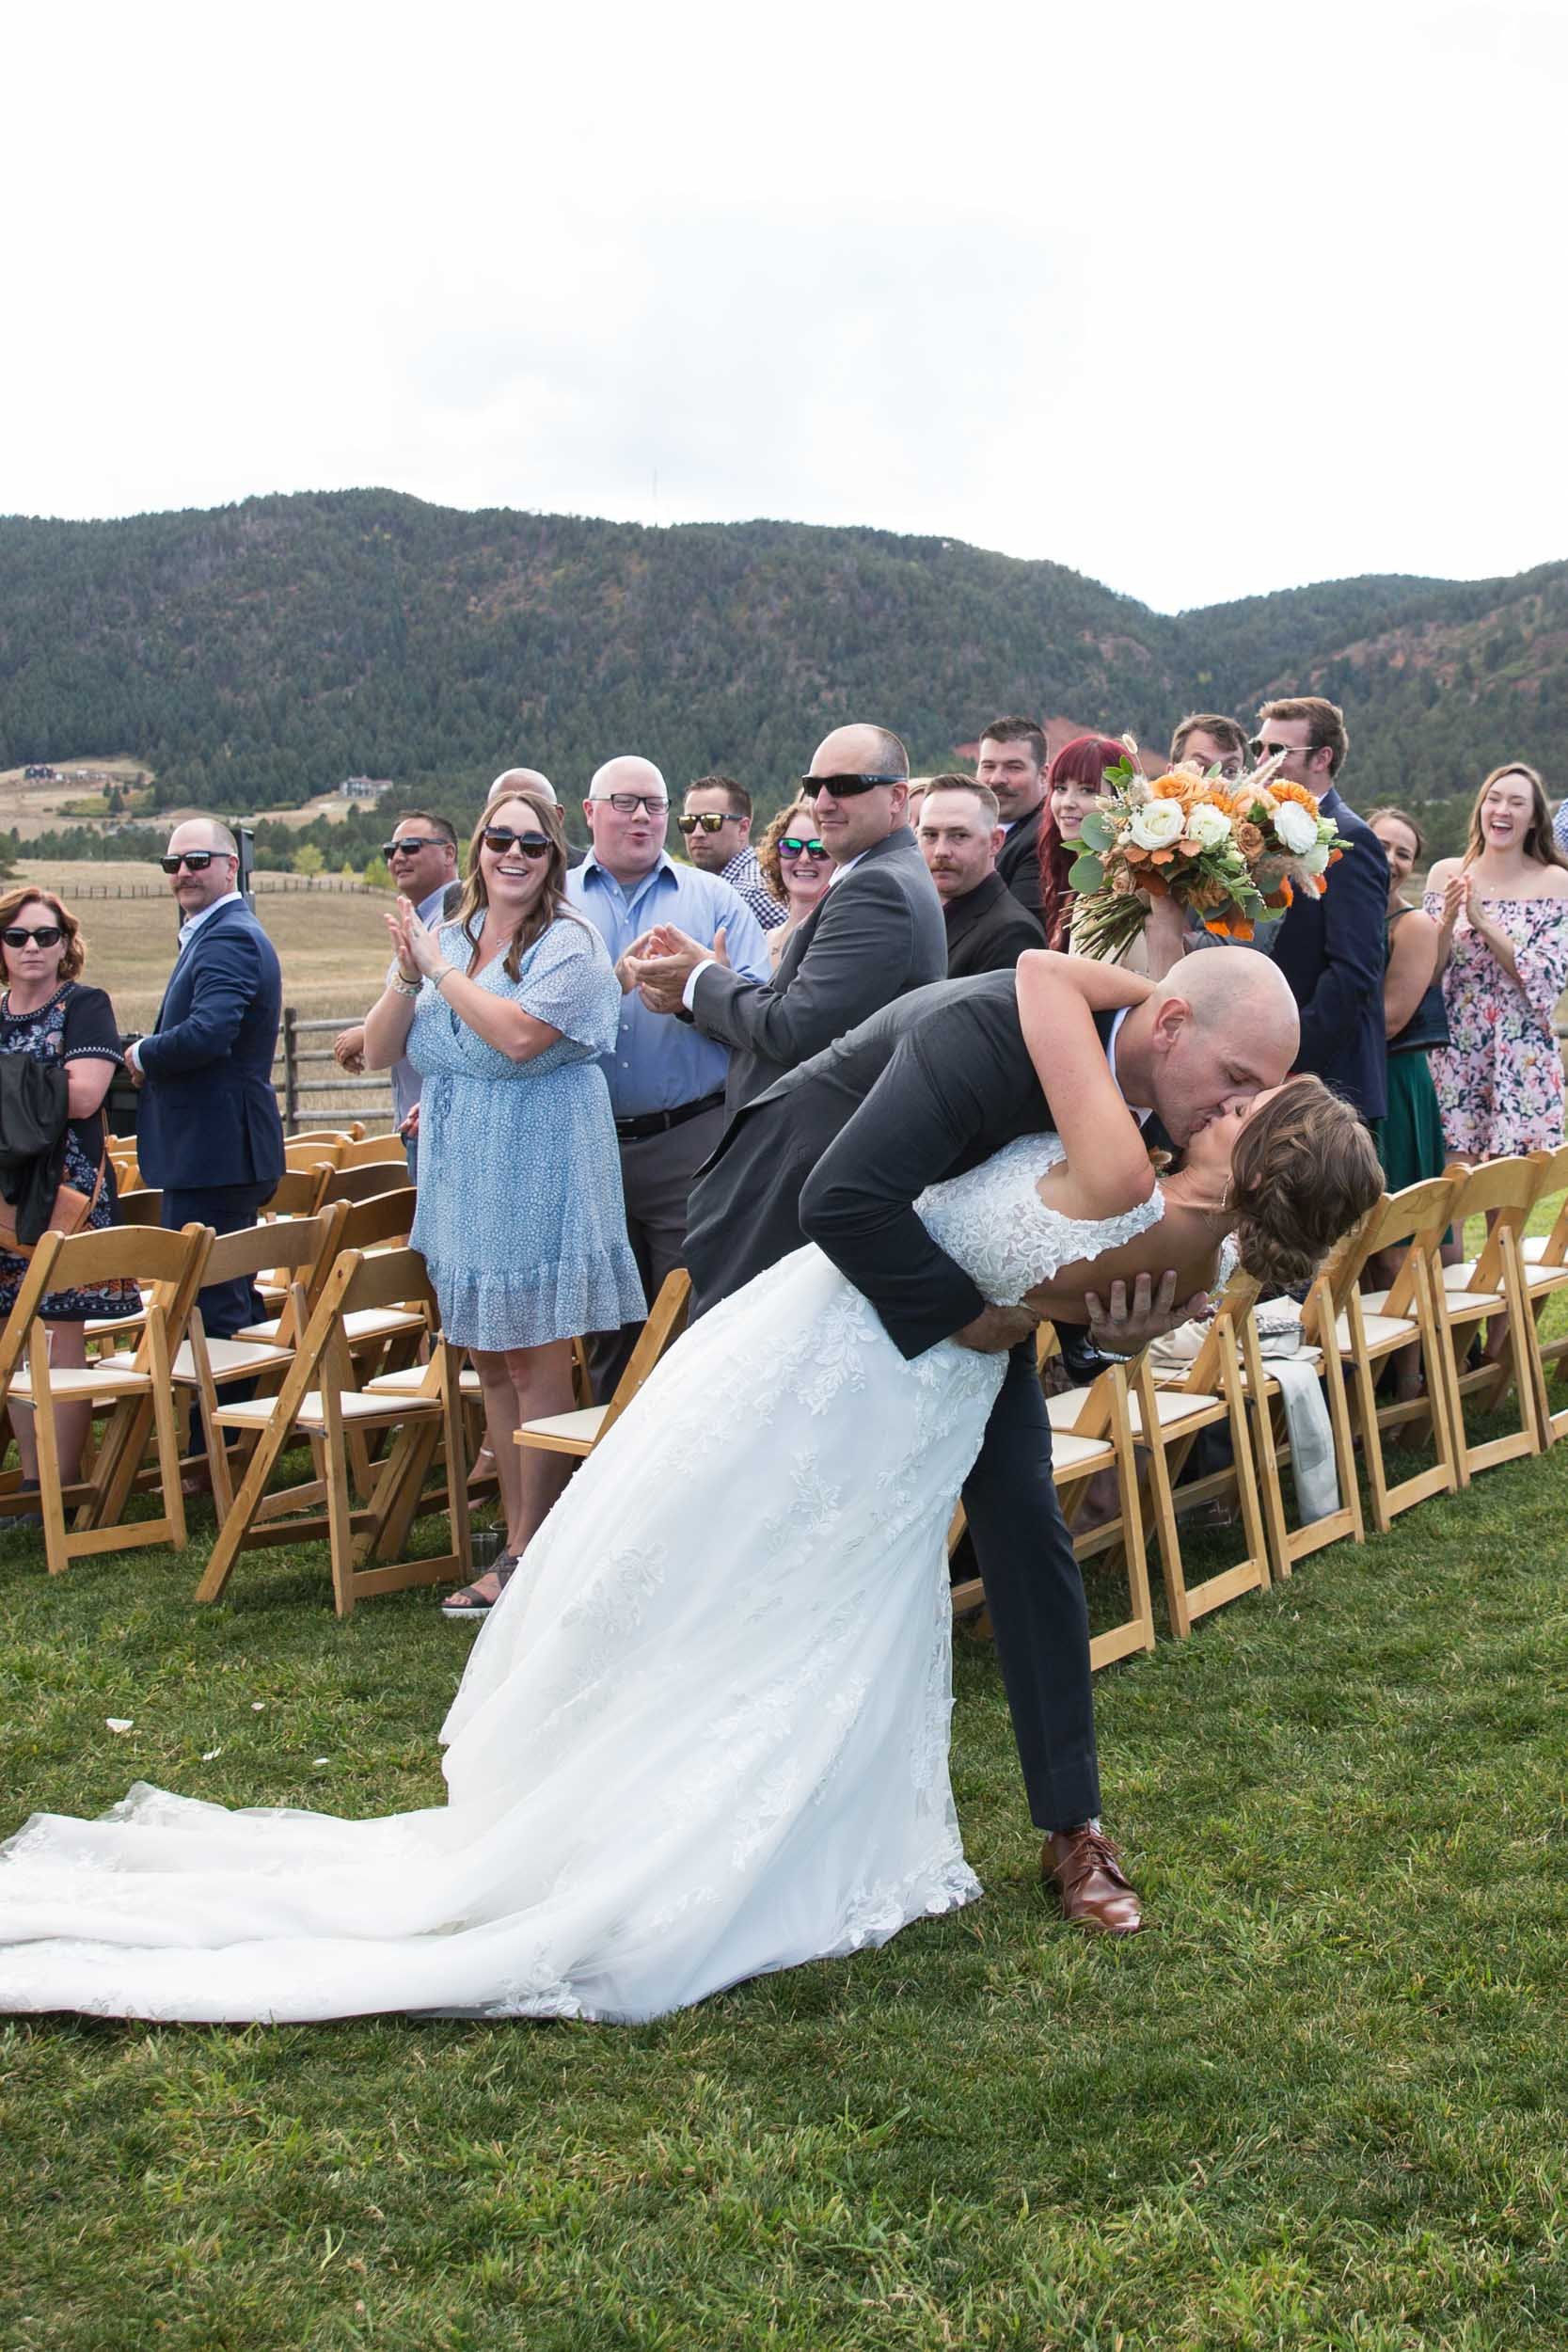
x=1096, y=830
x=1087, y=872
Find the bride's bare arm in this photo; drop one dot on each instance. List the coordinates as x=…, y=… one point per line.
x=1107, y=1167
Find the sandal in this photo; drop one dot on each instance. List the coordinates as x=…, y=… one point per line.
x=472, y=1600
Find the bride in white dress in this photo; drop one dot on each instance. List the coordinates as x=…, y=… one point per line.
x=705, y=1732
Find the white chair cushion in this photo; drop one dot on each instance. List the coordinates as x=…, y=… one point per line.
x=1380, y=1329
x=231, y=1359
x=355, y=1405
x=407, y=1382
x=1175, y=1405
x=583, y=1424
x=111, y=1375
x=1079, y=1455
x=367, y=1323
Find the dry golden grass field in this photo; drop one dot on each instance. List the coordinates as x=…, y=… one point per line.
x=332, y=945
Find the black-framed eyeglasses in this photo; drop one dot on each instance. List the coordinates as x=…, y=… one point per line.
x=710, y=820
x=501, y=838
x=627, y=804
x=793, y=846
x=411, y=844
x=198, y=860
x=47, y=935
x=846, y=788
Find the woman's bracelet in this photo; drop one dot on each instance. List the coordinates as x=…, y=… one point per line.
x=401, y=987
x=447, y=971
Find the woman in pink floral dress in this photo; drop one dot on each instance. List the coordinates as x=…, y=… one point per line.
x=1502, y=953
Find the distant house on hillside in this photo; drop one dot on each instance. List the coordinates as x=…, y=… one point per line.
x=365, y=787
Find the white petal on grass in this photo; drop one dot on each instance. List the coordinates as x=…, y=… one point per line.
x=117, y=1722
x=210, y=1756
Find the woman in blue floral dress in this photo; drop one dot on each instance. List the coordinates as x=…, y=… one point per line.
x=522, y=1220
x=45, y=1011
x=1501, y=913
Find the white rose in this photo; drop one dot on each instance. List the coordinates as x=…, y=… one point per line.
x=1159, y=824
x=1297, y=831
x=1314, y=861
x=1208, y=825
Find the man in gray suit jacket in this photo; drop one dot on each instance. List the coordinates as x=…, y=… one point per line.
x=878, y=931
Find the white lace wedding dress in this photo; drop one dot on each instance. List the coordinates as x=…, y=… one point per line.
x=704, y=1735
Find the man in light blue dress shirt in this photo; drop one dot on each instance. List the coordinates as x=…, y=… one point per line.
x=666, y=1079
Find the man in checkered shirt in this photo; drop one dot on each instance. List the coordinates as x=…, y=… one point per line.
x=716, y=833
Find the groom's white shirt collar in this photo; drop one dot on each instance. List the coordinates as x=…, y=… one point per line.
x=1142, y=1117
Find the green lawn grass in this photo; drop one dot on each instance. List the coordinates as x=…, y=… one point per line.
x=1320, y=2102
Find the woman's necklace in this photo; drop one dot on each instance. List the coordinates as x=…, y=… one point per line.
x=9, y=1004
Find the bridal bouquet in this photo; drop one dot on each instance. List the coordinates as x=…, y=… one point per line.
x=1229, y=857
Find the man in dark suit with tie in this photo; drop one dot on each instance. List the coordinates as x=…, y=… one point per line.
x=876, y=932
x=208, y=1131
x=1331, y=950
x=839, y=1150
x=1012, y=764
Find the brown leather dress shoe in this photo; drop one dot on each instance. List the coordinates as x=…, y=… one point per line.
x=1085, y=1870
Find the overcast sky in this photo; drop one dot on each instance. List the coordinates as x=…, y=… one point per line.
x=1202, y=300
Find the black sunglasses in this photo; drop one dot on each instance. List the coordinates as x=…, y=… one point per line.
x=410, y=842
x=710, y=820
x=198, y=860
x=1261, y=750
x=792, y=846
x=47, y=935
x=501, y=838
x=846, y=788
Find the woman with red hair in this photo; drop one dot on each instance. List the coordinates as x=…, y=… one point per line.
x=1071, y=786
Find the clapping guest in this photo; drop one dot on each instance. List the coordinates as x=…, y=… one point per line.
x=877, y=933
x=666, y=1080
x=1501, y=913
x=504, y=1013
x=48, y=1014
x=796, y=868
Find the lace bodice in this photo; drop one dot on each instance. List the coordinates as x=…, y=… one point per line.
x=993, y=1222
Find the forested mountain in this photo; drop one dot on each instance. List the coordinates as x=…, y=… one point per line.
x=258, y=653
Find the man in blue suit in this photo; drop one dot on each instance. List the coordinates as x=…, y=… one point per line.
x=208, y=1132
x=1330, y=948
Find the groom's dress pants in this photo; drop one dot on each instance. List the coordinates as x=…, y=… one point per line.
x=1035, y=1594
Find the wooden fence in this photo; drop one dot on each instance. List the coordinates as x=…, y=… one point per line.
x=312, y=1091
x=263, y=886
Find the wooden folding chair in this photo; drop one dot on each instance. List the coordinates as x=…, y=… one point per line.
x=319, y=1400
x=1545, y=1258
x=302, y=1250
x=579, y=1432
x=1480, y=1290
x=367, y=1181
x=133, y=1392
x=1320, y=1348
x=298, y=1194
x=1370, y=1327
x=138, y=1208
x=1166, y=1422
x=1091, y=1431
x=371, y=1151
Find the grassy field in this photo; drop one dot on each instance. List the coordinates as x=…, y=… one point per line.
x=332, y=945
x=1320, y=2103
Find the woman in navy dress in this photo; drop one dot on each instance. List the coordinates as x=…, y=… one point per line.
x=45, y=1011
x=504, y=1011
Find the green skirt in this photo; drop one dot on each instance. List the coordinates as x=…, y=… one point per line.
x=1409, y=1137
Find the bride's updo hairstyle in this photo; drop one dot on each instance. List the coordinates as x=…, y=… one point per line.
x=1302, y=1172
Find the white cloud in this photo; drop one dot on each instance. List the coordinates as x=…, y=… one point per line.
x=1198, y=301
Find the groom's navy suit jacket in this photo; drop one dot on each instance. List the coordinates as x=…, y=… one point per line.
x=838, y=1151
x=1331, y=950
x=207, y=1117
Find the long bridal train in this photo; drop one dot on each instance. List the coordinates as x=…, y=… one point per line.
x=703, y=1735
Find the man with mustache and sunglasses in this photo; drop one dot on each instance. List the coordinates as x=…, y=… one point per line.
x=878, y=931
x=666, y=1080
x=208, y=1131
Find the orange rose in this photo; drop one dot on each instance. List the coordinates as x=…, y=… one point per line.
x=1188, y=789
x=1284, y=790
x=1249, y=839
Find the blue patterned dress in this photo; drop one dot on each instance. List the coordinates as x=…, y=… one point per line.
x=521, y=1218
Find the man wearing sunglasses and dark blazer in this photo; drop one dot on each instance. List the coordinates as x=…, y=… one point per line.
x=208, y=1131
x=878, y=931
